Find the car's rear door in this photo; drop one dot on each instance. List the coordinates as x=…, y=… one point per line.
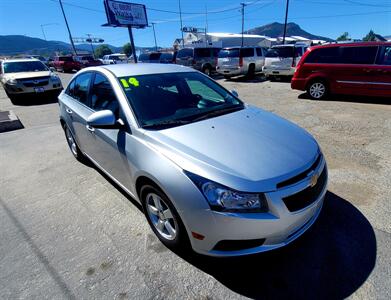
x=107, y=146
x=76, y=109
x=381, y=84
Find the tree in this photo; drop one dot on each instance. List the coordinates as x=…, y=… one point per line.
x=102, y=50
x=127, y=49
x=344, y=37
x=371, y=36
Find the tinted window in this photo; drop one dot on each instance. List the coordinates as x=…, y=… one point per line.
x=298, y=51
x=215, y=52
x=385, y=58
x=143, y=57
x=185, y=53
x=80, y=90
x=71, y=88
x=167, y=56
x=229, y=53
x=259, y=51
x=358, y=55
x=24, y=66
x=154, y=56
x=324, y=56
x=202, y=52
x=65, y=58
x=103, y=96
x=280, y=52
x=247, y=52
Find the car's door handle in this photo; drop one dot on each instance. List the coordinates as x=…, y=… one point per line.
x=90, y=128
x=68, y=111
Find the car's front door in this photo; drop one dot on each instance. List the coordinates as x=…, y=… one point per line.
x=107, y=146
x=381, y=83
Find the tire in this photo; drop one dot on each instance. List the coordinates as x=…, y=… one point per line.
x=317, y=89
x=251, y=71
x=207, y=70
x=163, y=219
x=271, y=78
x=227, y=77
x=75, y=150
x=15, y=99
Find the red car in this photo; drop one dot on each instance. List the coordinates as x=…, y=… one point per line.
x=87, y=61
x=66, y=64
x=356, y=69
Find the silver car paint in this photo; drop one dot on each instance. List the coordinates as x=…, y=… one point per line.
x=249, y=150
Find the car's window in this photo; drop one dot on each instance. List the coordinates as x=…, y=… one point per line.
x=215, y=52
x=202, y=52
x=298, y=51
x=71, y=88
x=102, y=95
x=283, y=52
x=24, y=66
x=247, y=52
x=259, y=51
x=81, y=85
x=327, y=55
x=65, y=58
x=385, y=58
x=143, y=57
x=358, y=55
x=167, y=56
x=163, y=98
x=224, y=53
x=154, y=56
x=185, y=53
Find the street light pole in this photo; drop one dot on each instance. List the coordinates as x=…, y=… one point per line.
x=69, y=31
x=154, y=34
x=243, y=5
x=180, y=17
x=92, y=47
x=286, y=20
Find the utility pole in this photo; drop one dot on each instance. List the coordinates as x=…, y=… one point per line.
x=243, y=5
x=180, y=17
x=69, y=31
x=92, y=47
x=286, y=20
x=154, y=34
x=132, y=44
x=206, y=25
x=43, y=32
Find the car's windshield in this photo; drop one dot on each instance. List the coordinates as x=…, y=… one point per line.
x=173, y=97
x=24, y=66
x=65, y=58
x=281, y=52
x=118, y=57
x=229, y=53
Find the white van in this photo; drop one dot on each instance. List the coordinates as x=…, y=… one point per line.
x=281, y=60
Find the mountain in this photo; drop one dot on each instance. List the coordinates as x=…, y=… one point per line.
x=277, y=29
x=21, y=44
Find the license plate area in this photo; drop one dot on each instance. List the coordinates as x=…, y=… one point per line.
x=39, y=89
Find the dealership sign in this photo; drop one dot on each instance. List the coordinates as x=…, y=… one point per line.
x=125, y=14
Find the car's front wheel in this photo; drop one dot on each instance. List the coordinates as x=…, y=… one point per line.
x=317, y=89
x=75, y=150
x=163, y=218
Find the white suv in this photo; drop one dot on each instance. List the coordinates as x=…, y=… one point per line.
x=28, y=76
x=112, y=59
x=237, y=61
x=281, y=60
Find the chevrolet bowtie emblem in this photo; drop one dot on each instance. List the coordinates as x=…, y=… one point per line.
x=314, y=180
x=35, y=81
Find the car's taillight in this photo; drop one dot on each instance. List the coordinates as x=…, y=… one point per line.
x=241, y=61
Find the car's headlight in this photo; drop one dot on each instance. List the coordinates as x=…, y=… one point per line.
x=221, y=198
x=12, y=81
x=54, y=77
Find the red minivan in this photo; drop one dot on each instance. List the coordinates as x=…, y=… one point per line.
x=355, y=68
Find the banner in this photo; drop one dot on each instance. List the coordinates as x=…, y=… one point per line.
x=124, y=14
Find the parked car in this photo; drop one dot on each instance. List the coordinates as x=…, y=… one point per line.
x=113, y=59
x=281, y=60
x=66, y=64
x=351, y=68
x=39, y=57
x=87, y=61
x=209, y=170
x=237, y=61
x=21, y=77
x=201, y=59
x=158, y=57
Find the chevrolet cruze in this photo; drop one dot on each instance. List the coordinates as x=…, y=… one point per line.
x=210, y=171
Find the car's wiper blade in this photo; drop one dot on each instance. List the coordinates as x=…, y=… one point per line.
x=218, y=112
x=164, y=124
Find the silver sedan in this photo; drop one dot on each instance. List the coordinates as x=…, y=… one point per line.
x=210, y=171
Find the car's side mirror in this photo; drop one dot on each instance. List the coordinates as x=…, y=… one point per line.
x=104, y=119
x=235, y=93
x=52, y=69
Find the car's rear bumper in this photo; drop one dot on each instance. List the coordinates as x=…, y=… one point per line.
x=298, y=84
x=278, y=71
x=230, y=70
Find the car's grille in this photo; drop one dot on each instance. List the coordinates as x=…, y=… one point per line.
x=307, y=196
x=236, y=245
x=300, y=176
x=37, y=81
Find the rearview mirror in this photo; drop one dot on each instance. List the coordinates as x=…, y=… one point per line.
x=102, y=119
x=235, y=93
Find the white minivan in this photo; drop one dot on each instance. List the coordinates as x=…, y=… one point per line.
x=281, y=60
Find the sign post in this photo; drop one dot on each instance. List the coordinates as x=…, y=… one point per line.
x=125, y=14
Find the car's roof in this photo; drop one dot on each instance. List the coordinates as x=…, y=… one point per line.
x=357, y=44
x=121, y=70
x=20, y=60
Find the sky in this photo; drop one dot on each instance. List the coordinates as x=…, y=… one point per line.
x=328, y=18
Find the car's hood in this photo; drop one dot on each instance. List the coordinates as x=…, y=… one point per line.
x=22, y=75
x=248, y=150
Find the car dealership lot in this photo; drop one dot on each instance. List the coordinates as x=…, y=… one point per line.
x=66, y=231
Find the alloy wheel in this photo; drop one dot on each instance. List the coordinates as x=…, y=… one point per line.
x=161, y=217
x=317, y=90
x=71, y=141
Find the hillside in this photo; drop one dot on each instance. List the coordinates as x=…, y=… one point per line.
x=277, y=29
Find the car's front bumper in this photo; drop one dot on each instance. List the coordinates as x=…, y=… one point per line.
x=19, y=88
x=278, y=71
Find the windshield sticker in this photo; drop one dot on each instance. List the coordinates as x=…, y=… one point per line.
x=124, y=83
x=131, y=80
